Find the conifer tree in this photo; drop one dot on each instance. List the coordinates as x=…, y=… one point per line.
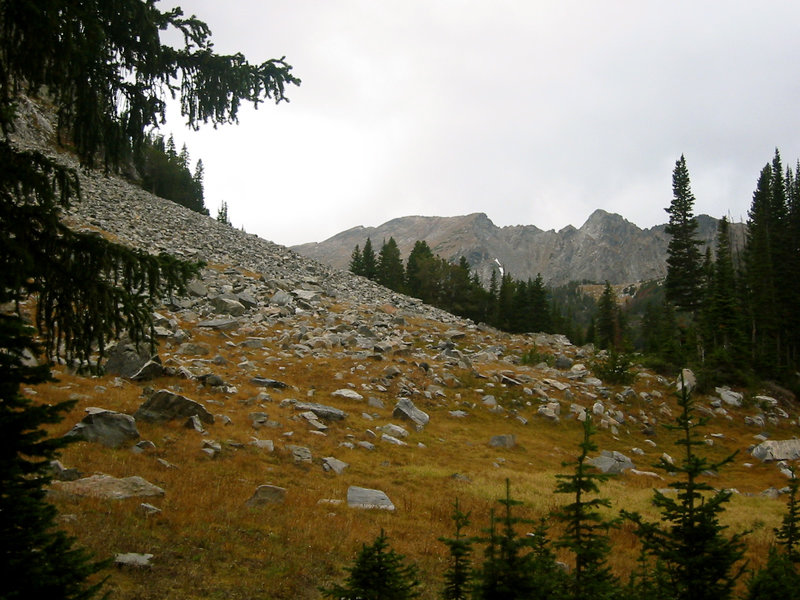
x=369, y=261
x=683, y=255
x=419, y=269
x=390, y=270
x=760, y=279
x=725, y=320
x=105, y=72
x=507, y=571
x=586, y=531
x=607, y=333
x=458, y=576
x=356, y=262
x=222, y=213
x=779, y=579
x=378, y=573
x=695, y=559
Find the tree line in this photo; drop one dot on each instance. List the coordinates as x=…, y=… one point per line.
x=687, y=554
x=731, y=311
x=166, y=172
x=509, y=304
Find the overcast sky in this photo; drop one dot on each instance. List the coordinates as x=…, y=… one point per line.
x=534, y=112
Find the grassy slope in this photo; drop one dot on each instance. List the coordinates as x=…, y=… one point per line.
x=208, y=544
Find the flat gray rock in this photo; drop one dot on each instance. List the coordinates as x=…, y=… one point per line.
x=111, y=488
x=358, y=497
x=267, y=494
x=329, y=463
x=221, y=324
x=326, y=413
x=347, y=393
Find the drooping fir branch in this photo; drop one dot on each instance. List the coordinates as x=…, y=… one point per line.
x=103, y=66
x=88, y=289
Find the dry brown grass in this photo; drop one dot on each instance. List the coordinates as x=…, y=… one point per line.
x=208, y=544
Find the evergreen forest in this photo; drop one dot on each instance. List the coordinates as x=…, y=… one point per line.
x=729, y=312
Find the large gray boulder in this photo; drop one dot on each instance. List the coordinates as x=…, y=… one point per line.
x=166, y=406
x=405, y=409
x=228, y=306
x=612, y=463
x=777, y=450
x=358, y=497
x=126, y=359
x=107, y=427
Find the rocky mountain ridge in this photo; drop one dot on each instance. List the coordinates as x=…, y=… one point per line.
x=605, y=247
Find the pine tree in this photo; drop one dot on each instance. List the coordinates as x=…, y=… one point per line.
x=586, y=531
x=779, y=578
x=104, y=70
x=378, y=573
x=760, y=279
x=222, y=213
x=369, y=261
x=458, y=576
x=684, y=274
x=725, y=311
x=541, y=317
x=607, y=333
x=356, y=262
x=507, y=571
x=390, y=270
x=419, y=268
x=695, y=559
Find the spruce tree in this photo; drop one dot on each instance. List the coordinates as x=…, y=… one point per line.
x=369, y=261
x=378, y=573
x=684, y=272
x=760, y=278
x=458, y=576
x=102, y=67
x=607, y=333
x=390, y=270
x=419, y=270
x=507, y=570
x=725, y=311
x=695, y=559
x=779, y=579
x=586, y=530
x=356, y=262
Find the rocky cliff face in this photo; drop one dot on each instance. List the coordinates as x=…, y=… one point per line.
x=606, y=247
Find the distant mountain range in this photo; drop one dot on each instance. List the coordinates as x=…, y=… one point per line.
x=605, y=247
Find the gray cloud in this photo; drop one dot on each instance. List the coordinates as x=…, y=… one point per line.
x=533, y=112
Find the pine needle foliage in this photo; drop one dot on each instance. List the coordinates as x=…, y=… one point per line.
x=586, y=530
x=378, y=573
x=507, y=570
x=695, y=559
x=458, y=576
x=103, y=69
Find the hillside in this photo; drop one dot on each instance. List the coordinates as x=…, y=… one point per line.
x=605, y=247
x=292, y=384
